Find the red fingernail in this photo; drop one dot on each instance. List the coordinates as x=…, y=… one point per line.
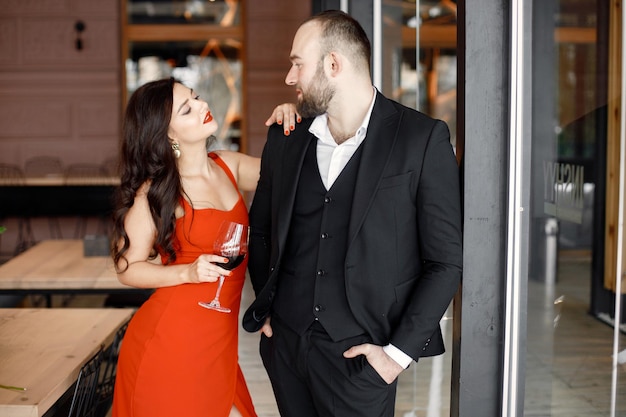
x=286, y=132
x=292, y=127
x=299, y=120
x=280, y=122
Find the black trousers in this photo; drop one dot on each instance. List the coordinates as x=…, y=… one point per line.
x=311, y=378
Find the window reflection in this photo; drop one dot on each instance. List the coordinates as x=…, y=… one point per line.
x=198, y=42
x=427, y=84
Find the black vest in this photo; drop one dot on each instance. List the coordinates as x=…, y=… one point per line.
x=311, y=282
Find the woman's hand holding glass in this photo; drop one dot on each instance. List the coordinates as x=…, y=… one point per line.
x=206, y=269
x=231, y=243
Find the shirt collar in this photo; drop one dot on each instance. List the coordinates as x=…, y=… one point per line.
x=320, y=129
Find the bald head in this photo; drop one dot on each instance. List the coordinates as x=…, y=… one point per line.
x=340, y=32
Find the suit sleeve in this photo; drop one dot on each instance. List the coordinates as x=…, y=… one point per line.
x=260, y=220
x=439, y=221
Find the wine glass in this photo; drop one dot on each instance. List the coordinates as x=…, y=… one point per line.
x=231, y=243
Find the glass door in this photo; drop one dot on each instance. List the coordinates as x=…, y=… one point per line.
x=571, y=310
x=418, y=67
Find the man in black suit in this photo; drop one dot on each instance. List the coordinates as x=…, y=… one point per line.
x=355, y=245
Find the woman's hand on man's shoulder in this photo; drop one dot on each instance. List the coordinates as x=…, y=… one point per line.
x=286, y=115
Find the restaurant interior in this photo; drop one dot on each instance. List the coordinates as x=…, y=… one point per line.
x=67, y=68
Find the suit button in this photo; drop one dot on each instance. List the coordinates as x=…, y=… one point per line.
x=324, y=236
x=321, y=273
x=327, y=200
x=318, y=308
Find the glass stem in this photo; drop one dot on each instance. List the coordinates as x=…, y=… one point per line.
x=219, y=289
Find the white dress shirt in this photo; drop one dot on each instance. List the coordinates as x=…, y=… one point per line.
x=331, y=160
x=331, y=157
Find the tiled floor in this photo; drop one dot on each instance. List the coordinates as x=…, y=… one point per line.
x=568, y=365
x=569, y=361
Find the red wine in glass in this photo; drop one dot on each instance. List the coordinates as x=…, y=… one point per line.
x=233, y=262
x=231, y=243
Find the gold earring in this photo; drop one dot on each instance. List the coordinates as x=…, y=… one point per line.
x=176, y=150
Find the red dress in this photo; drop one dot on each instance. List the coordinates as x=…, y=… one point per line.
x=178, y=358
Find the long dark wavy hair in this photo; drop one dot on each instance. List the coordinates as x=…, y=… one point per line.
x=146, y=155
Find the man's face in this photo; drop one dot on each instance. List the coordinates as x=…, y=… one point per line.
x=316, y=94
x=307, y=73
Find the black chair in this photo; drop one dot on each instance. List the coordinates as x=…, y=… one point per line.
x=46, y=166
x=86, y=174
x=85, y=171
x=109, y=372
x=85, y=398
x=13, y=175
x=111, y=166
x=43, y=166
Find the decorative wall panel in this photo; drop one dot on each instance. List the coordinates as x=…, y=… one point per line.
x=57, y=99
x=28, y=118
x=53, y=42
x=97, y=118
x=8, y=41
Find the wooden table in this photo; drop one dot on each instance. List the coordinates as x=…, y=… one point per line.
x=43, y=350
x=58, y=266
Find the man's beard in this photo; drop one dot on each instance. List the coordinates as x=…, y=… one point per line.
x=315, y=100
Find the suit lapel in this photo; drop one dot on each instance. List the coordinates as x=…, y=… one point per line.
x=377, y=147
x=295, y=151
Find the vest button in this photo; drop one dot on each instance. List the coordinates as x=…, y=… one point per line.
x=324, y=236
x=318, y=308
x=321, y=273
x=327, y=199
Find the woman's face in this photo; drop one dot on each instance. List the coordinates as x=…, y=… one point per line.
x=191, y=118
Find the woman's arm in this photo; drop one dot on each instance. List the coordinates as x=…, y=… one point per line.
x=246, y=168
x=145, y=273
x=248, y=172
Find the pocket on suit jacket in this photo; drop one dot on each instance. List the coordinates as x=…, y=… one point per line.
x=402, y=293
x=395, y=180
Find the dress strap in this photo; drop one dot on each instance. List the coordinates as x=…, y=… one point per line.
x=219, y=161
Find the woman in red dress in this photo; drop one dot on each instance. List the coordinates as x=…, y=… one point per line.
x=178, y=358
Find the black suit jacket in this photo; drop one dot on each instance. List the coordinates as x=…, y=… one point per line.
x=404, y=255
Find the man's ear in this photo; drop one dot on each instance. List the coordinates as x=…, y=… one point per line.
x=334, y=63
